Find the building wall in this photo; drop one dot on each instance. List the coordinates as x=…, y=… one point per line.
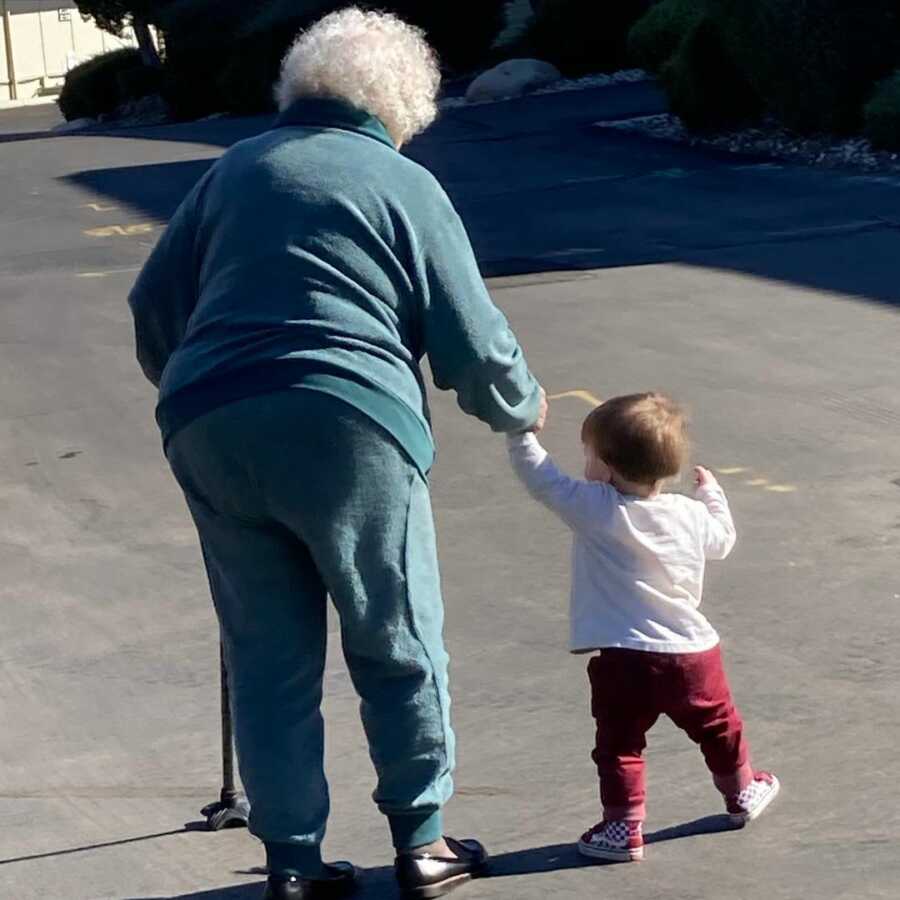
x=49, y=37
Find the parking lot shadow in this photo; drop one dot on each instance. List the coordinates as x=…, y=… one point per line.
x=546, y=191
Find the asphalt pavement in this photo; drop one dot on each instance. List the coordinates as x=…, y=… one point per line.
x=764, y=296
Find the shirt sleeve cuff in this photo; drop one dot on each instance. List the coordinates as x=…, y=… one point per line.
x=526, y=448
x=521, y=439
x=709, y=491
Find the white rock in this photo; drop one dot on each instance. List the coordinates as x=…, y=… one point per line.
x=512, y=79
x=74, y=125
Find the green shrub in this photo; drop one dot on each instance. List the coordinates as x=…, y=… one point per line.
x=247, y=81
x=814, y=62
x=233, y=67
x=656, y=36
x=583, y=36
x=138, y=81
x=100, y=85
x=191, y=72
x=461, y=31
x=882, y=115
x=705, y=88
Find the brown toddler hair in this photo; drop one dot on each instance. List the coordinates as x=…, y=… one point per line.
x=642, y=436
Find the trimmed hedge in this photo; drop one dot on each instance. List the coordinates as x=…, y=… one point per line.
x=189, y=85
x=461, y=31
x=583, y=36
x=252, y=45
x=705, y=87
x=198, y=55
x=882, y=115
x=247, y=81
x=814, y=62
x=657, y=35
x=99, y=86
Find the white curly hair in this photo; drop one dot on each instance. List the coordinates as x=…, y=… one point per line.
x=373, y=61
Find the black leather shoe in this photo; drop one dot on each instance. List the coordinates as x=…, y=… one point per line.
x=424, y=877
x=339, y=881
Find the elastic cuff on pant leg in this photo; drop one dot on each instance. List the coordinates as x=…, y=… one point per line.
x=625, y=813
x=302, y=860
x=732, y=784
x=412, y=830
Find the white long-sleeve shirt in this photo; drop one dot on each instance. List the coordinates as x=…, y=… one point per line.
x=637, y=564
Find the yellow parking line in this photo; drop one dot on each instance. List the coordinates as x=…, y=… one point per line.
x=108, y=273
x=587, y=396
x=121, y=230
x=98, y=207
x=758, y=482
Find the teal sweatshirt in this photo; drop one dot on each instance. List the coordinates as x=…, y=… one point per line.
x=316, y=255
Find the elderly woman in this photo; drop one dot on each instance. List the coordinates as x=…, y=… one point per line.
x=283, y=316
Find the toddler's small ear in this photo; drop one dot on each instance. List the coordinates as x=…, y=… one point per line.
x=596, y=470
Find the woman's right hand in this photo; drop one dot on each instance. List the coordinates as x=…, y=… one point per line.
x=542, y=415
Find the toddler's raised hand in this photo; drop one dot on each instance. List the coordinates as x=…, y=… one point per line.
x=703, y=477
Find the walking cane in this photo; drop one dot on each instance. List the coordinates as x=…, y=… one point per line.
x=232, y=809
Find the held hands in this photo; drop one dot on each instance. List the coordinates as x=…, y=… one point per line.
x=704, y=478
x=542, y=414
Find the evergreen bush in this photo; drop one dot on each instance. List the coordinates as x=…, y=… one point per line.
x=657, y=35
x=705, y=88
x=581, y=37
x=882, y=115
x=99, y=86
x=813, y=63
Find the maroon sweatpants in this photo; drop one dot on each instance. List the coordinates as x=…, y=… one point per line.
x=631, y=689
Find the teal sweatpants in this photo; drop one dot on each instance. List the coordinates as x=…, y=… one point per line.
x=296, y=495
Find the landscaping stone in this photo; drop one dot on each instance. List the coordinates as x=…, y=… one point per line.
x=512, y=79
x=74, y=125
x=625, y=76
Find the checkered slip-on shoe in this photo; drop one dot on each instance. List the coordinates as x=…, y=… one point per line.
x=752, y=801
x=615, y=840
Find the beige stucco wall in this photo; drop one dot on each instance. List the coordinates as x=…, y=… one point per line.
x=45, y=48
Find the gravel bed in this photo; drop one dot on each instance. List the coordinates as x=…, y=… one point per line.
x=769, y=139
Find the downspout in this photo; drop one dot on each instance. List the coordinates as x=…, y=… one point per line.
x=10, y=63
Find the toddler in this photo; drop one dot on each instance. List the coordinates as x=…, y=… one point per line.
x=637, y=579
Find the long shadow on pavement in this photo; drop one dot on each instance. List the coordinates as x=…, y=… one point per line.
x=542, y=188
x=379, y=883
x=557, y=857
x=89, y=847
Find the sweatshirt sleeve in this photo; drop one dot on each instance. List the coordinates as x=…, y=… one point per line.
x=718, y=526
x=467, y=339
x=165, y=293
x=582, y=505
